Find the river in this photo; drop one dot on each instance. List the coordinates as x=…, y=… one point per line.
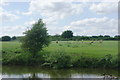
x=38, y=72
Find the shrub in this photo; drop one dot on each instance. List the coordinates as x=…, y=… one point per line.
x=59, y=59
x=114, y=63
x=85, y=62
x=22, y=59
x=106, y=61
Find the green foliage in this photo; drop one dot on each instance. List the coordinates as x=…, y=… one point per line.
x=67, y=34
x=36, y=38
x=21, y=59
x=6, y=38
x=59, y=59
x=14, y=38
x=78, y=38
x=85, y=62
x=105, y=62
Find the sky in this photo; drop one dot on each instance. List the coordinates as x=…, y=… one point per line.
x=83, y=18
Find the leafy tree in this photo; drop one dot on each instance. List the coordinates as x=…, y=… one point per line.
x=6, y=38
x=100, y=36
x=0, y=39
x=13, y=38
x=56, y=35
x=36, y=38
x=67, y=34
x=107, y=36
x=94, y=36
x=117, y=37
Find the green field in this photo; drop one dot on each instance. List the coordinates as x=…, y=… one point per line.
x=75, y=49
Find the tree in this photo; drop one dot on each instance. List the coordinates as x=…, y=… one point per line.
x=117, y=37
x=36, y=38
x=6, y=38
x=13, y=38
x=56, y=35
x=107, y=36
x=67, y=34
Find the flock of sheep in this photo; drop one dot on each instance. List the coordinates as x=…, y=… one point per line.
x=91, y=42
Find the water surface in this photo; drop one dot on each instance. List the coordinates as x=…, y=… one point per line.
x=38, y=72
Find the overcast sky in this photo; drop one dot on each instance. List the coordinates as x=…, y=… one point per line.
x=83, y=18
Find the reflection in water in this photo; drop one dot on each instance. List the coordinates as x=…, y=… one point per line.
x=37, y=72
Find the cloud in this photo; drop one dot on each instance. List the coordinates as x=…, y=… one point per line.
x=30, y=22
x=94, y=26
x=104, y=8
x=53, y=11
x=88, y=26
x=6, y=16
x=12, y=30
x=3, y=3
x=62, y=1
x=61, y=9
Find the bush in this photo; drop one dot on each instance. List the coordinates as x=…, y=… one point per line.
x=59, y=59
x=22, y=59
x=85, y=62
x=106, y=61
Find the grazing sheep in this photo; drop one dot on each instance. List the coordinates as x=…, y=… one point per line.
x=113, y=77
x=101, y=41
x=91, y=42
x=82, y=41
x=109, y=76
x=56, y=41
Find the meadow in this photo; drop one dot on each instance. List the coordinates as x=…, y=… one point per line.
x=75, y=53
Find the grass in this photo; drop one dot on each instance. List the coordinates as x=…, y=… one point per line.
x=77, y=48
x=74, y=49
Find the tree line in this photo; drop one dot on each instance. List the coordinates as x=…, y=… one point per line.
x=67, y=36
x=79, y=38
x=8, y=38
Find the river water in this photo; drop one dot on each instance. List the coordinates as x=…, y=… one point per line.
x=38, y=72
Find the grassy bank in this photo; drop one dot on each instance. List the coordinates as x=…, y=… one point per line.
x=64, y=54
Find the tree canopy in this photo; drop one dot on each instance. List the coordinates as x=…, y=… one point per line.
x=14, y=38
x=67, y=34
x=6, y=38
x=36, y=38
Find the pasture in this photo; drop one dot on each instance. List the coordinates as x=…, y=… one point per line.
x=74, y=49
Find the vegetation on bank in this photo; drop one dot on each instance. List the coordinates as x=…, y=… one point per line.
x=64, y=54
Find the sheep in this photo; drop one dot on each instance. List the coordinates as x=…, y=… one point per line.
x=82, y=41
x=56, y=41
x=91, y=42
x=101, y=41
x=109, y=76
